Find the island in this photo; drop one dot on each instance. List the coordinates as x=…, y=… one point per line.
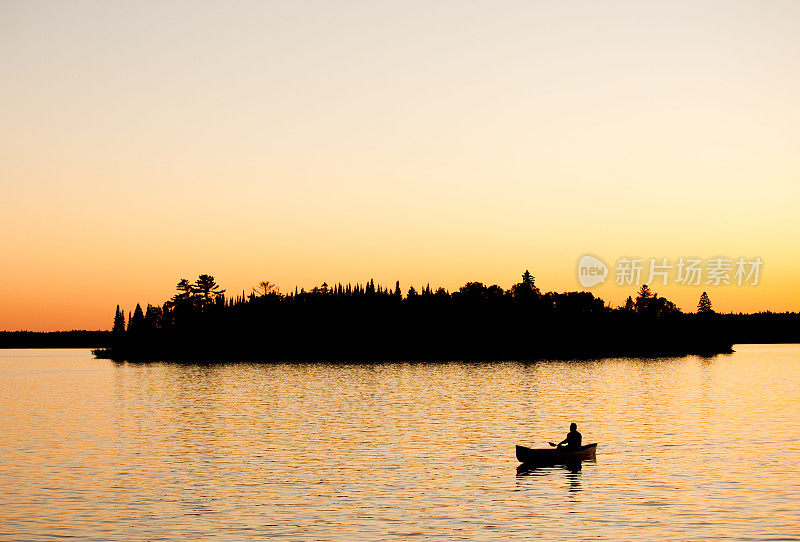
x=370, y=322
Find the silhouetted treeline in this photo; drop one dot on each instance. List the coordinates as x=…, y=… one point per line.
x=55, y=339
x=375, y=322
x=761, y=327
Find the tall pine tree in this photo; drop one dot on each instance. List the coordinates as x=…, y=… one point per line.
x=119, y=322
x=136, y=322
x=704, y=305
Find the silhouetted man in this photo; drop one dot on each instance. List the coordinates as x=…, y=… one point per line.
x=573, y=440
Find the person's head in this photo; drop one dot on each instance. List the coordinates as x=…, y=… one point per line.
x=573, y=426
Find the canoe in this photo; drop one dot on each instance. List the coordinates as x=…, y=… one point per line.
x=554, y=455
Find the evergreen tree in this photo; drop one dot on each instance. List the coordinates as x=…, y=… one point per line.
x=527, y=279
x=153, y=317
x=525, y=290
x=185, y=290
x=207, y=288
x=119, y=322
x=136, y=322
x=704, y=305
x=643, y=299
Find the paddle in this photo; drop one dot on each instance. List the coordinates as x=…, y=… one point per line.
x=553, y=445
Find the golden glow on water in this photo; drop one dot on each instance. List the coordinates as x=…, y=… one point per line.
x=690, y=449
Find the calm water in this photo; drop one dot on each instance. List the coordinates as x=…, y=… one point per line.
x=690, y=449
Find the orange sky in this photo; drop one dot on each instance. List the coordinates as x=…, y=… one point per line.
x=414, y=142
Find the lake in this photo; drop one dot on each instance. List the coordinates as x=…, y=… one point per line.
x=690, y=448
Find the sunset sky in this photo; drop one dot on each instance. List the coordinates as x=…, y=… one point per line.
x=302, y=142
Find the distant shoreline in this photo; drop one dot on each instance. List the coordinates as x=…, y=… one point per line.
x=557, y=340
x=55, y=339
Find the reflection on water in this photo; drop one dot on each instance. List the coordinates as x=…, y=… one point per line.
x=571, y=470
x=570, y=466
x=690, y=448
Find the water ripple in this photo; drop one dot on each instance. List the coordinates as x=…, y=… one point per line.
x=690, y=448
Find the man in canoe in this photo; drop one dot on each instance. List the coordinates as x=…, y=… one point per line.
x=573, y=440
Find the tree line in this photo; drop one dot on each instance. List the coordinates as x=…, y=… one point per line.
x=373, y=321
x=206, y=295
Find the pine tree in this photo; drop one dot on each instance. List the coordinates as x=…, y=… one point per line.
x=136, y=322
x=207, y=287
x=527, y=279
x=643, y=299
x=704, y=305
x=186, y=291
x=526, y=290
x=119, y=322
x=153, y=317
